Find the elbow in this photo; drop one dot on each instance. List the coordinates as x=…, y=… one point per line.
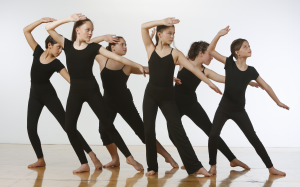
x=47, y=27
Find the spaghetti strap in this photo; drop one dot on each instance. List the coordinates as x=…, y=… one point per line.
x=123, y=66
x=106, y=63
x=171, y=51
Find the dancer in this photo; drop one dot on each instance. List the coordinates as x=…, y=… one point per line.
x=159, y=93
x=118, y=99
x=80, y=57
x=186, y=97
x=238, y=75
x=42, y=93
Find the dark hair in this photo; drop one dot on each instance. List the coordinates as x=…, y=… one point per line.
x=49, y=39
x=160, y=28
x=235, y=46
x=195, y=48
x=76, y=25
x=110, y=44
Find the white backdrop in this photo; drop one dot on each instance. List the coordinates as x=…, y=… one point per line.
x=271, y=27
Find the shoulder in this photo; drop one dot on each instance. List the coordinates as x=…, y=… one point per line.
x=38, y=50
x=93, y=44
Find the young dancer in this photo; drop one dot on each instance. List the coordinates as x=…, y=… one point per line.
x=159, y=93
x=238, y=75
x=42, y=93
x=186, y=97
x=80, y=57
x=118, y=99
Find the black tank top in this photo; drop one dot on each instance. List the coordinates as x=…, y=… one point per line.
x=189, y=81
x=115, y=84
x=80, y=62
x=161, y=70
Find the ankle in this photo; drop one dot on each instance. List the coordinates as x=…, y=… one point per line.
x=41, y=159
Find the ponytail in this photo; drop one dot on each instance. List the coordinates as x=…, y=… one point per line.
x=76, y=25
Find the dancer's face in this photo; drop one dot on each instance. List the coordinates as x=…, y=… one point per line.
x=167, y=36
x=85, y=31
x=244, y=51
x=206, y=57
x=120, y=48
x=55, y=49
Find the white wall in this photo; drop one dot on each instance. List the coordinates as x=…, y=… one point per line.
x=271, y=27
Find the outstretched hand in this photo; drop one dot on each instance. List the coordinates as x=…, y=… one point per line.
x=280, y=104
x=77, y=17
x=170, y=21
x=142, y=70
x=111, y=38
x=215, y=88
x=223, y=32
x=152, y=34
x=256, y=85
x=47, y=20
x=177, y=81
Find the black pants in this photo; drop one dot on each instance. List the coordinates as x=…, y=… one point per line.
x=40, y=96
x=196, y=113
x=240, y=117
x=164, y=99
x=88, y=91
x=129, y=113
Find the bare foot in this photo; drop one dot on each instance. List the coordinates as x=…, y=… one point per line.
x=40, y=163
x=113, y=163
x=202, y=171
x=82, y=168
x=151, y=173
x=274, y=171
x=236, y=162
x=172, y=162
x=130, y=160
x=213, y=170
x=96, y=161
x=182, y=167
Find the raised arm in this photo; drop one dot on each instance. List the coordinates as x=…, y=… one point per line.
x=51, y=27
x=110, y=38
x=188, y=65
x=28, y=29
x=212, y=46
x=271, y=93
x=123, y=60
x=148, y=25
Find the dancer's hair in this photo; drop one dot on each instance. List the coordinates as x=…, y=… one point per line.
x=76, y=25
x=235, y=46
x=195, y=48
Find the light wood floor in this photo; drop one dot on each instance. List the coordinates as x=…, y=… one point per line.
x=61, y=160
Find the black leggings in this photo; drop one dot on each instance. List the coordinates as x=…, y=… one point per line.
x=129, y=113
x=240, y=117
x=40, y=96
x=196, y=113
x=87, y=90
x=164, y=99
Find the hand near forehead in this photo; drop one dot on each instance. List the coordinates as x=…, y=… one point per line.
x=47, y=20
x=77, y=17
x=170, y=21
x=111, y=38
x=223, y=32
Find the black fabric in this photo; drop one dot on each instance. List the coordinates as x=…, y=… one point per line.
x=162, y=73
x=41, y=73
x=80, y=62
x=241, y=118
x=87, y=90
x=160, y=93
x=236, y=83
x=44, y=95
x=115, y=85
x=129, y=113
x=187, y=104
